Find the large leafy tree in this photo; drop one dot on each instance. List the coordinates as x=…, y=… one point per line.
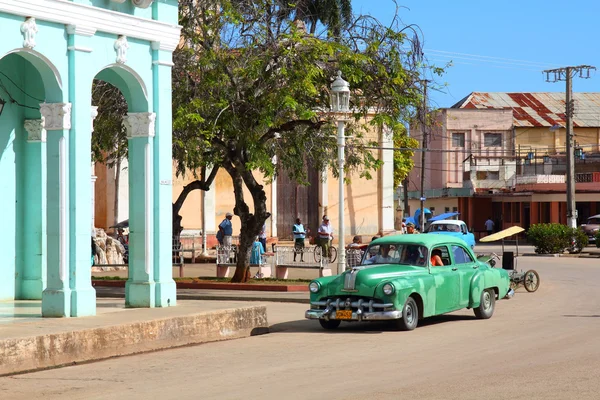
x=250, y=85
x=109, y=138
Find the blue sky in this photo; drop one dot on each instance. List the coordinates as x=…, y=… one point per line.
x=500, y=46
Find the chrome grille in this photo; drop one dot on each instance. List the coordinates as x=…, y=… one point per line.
x=356, y=304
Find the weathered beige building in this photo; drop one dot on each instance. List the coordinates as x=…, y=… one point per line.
x=503, y=155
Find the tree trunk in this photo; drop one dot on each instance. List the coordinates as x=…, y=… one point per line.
x=199, y=184
x=251, y=222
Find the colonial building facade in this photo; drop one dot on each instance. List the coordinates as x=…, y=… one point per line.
x=503, y=155
x=50, y=53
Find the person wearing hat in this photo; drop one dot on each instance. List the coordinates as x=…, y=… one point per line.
x=410, y=229
x=325, y=236
x=225, y=230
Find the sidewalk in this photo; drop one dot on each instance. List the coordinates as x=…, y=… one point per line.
x=29, y=342
x=209, y=294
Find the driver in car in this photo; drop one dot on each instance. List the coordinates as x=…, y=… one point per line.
x=413, y=256
x=383, y=257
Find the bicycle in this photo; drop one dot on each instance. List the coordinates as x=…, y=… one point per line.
x=332, y=253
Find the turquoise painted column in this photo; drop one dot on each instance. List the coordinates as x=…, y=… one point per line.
x=56, y=298
x=32, y=281
x=10, y=121
x=140, y=287
x=166, y=290
x=83, y=295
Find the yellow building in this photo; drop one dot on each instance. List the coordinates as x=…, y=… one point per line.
x=368, y=204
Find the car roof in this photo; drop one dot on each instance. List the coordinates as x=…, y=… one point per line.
x=424, y=239
x=595, y=216
x=448, y=221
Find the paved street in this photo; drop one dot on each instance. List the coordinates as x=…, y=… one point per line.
x=536, y=346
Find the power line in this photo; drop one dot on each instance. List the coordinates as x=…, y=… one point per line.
x=527, y=62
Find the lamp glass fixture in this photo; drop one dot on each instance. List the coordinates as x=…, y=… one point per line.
x=340, y=95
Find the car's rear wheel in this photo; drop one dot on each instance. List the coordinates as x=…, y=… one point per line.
x=410, y=316
x=487, y=304
x=330, y=324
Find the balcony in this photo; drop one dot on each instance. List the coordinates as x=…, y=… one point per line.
x=584, y=182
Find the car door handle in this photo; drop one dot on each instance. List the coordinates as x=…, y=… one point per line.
x=475, y=266
x=454, y=269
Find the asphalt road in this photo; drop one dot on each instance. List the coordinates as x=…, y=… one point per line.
x=542, y=345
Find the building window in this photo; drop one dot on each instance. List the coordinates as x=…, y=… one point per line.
x=492, y=139
x=454, y=209
x=446, y=209
x=432, y=209
x=458, y=139
x=492, y=175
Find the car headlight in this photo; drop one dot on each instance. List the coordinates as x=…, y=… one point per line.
x=388, y=289
x=314, y=287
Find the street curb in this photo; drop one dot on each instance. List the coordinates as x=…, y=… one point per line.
x=217, y=286
x=26, y=354
x=185, y=296
x=581, y=255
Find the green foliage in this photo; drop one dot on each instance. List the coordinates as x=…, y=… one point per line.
x=251, y=86
x=556, y=238
x=403, y=162
x=109, y=139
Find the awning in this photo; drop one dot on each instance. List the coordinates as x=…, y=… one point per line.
x=513, y=230
x=443, y=216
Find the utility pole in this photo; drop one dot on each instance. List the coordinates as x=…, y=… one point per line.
x=423, y=122
x=566, y=74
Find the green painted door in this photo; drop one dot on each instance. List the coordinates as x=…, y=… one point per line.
x=466, y=269
x=447, y=284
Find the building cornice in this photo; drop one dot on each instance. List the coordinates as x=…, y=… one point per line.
x=94, y=18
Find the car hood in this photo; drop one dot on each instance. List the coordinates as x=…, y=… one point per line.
x=364, y=279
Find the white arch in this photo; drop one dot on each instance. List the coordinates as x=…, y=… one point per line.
x=130, y=70
x=25, y=51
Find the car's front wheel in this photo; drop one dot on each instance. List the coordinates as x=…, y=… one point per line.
x=410, y=316
x=330, y=324
x=487, y=304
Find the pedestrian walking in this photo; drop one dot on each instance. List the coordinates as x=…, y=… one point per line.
x=299, y=235
x=256, y=256
x=489, y=226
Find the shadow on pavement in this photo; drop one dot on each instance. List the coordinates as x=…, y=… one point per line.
x=581, y=316
x=313, y=326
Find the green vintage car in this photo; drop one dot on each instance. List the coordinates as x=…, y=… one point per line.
x=397, y=281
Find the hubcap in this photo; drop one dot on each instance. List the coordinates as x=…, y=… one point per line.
x=487, y=301
x=409, y=314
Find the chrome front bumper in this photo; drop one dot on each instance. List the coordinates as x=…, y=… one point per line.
x=356, y=316
x=509, y=294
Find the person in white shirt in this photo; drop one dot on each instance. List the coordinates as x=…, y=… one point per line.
x=325, y=236
x=489, y=226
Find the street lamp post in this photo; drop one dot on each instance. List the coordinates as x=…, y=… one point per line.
x=340, y=104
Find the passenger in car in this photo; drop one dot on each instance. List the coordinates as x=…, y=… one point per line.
x=436, y=258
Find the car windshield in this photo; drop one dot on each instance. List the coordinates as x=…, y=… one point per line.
x=444, y=228
x=593, y=221
x=404, y=254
